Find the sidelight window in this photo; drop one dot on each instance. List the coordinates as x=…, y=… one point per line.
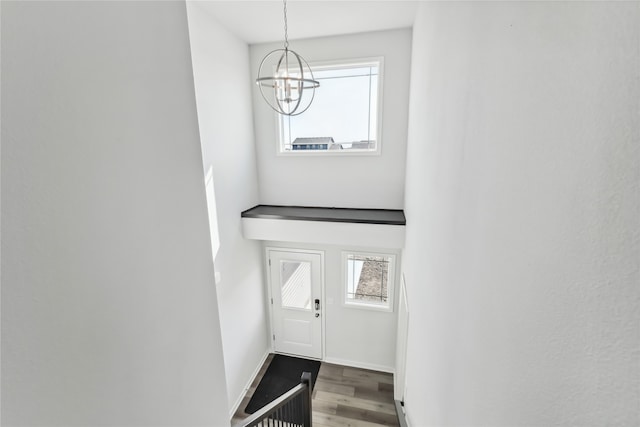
x=368, y=280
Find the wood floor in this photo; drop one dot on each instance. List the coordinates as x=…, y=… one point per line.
x=343, y=397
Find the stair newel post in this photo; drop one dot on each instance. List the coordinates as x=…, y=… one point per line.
x=306, y=399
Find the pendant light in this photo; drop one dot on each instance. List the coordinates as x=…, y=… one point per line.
x=290, y=89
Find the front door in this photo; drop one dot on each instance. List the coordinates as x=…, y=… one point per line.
x=296, y=288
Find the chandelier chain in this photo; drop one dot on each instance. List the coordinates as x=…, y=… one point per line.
x=286, y=35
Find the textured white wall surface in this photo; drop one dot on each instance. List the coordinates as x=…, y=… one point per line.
x=340, y=181
x=109, y=309
x=523, y=215
x=223, y=95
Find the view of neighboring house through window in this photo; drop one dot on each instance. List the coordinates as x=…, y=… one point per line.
x=368, y=280
x=343, y=117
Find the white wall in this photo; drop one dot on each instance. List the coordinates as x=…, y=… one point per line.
x=329, y=180
x=523, y=222
x=353, y=336
x=109, y=311
x=221, y=69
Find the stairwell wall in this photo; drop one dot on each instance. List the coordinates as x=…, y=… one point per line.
x=223, y=95
x=523, y=214
x=109, y=311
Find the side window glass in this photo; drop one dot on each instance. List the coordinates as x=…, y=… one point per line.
x=368, y=280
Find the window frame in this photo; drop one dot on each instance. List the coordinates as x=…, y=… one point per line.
x=391, y=279
x=351, y=63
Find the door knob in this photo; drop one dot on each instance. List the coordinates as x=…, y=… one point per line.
x=317, y=305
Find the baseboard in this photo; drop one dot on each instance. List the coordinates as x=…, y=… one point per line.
x=402, y=416
x=351, y=363
x=236, y=405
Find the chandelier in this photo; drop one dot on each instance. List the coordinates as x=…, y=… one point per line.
x=290, y=89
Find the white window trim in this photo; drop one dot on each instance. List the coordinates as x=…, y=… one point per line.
x=390, y=284
x=312, y=153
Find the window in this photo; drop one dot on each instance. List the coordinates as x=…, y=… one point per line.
x=368, y=280
x=344, y=116
x=296, y=284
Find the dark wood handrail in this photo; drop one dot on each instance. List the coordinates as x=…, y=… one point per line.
x=303, y=388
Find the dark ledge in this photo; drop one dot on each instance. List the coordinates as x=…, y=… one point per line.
x=302, y=213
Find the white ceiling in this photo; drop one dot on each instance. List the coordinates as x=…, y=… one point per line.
x=262, y=21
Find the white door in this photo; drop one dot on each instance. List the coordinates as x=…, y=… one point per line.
x=296, y=287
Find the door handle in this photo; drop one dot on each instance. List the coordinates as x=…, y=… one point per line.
x=317, y=304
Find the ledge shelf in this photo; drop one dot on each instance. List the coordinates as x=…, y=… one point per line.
x=380, y=228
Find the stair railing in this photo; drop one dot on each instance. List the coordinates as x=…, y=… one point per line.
x=291, y=409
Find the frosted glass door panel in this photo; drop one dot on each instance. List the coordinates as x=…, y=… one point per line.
x=295, y=284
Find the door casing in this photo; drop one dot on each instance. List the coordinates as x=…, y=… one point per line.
x=268, y=251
